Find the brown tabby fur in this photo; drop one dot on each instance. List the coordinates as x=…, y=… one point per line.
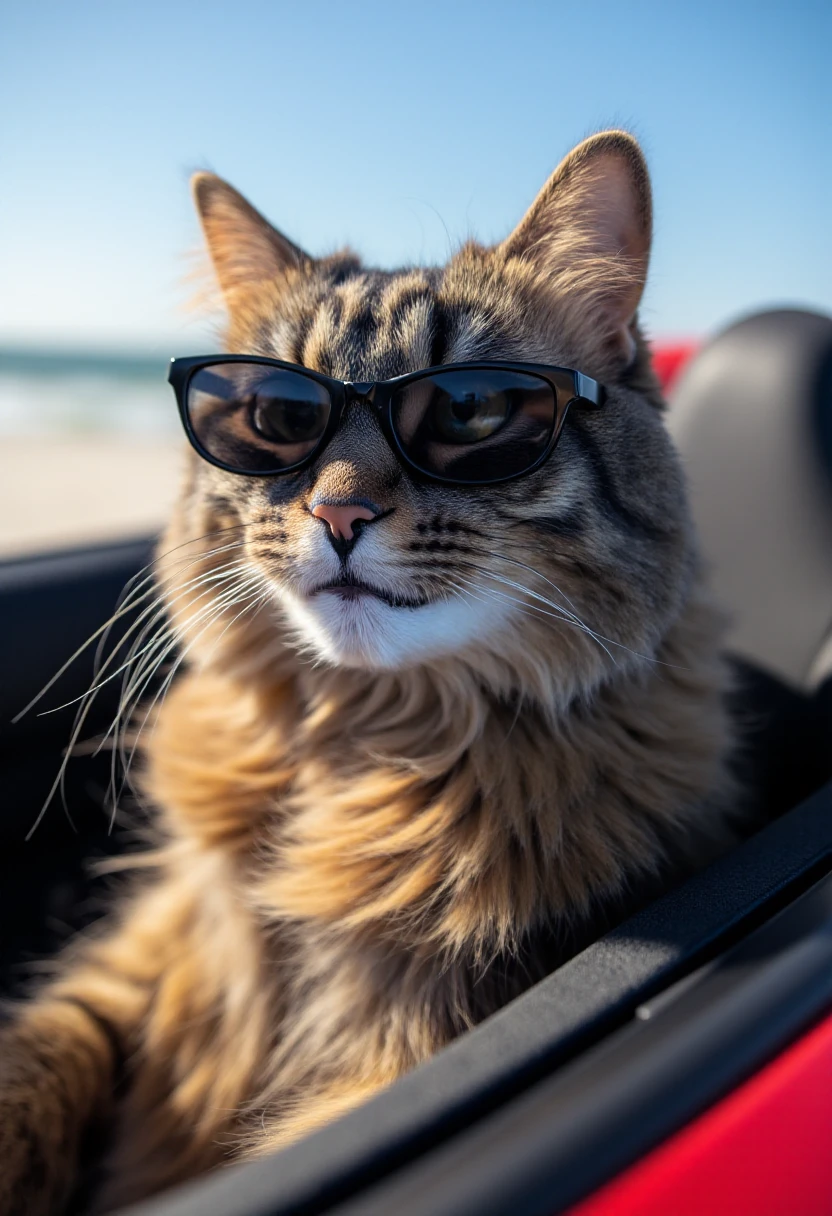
x=362, y=859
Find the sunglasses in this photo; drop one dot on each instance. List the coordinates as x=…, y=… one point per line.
x=461, y=423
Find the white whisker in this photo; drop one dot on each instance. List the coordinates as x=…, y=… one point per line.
x=599, y=637
x=156, y=611
x=125, y=605
x=252, y=599
x=135, y=592
x=558, y=613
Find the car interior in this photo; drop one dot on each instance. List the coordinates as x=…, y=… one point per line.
x=645, y=1027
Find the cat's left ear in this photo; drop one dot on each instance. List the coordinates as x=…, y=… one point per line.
x=589, y=232
x=244, y=247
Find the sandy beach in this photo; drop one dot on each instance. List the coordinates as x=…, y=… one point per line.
x=74, y=490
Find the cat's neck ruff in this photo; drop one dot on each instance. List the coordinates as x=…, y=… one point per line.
x=421, y=807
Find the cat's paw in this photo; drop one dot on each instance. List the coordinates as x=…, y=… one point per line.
x=33, y=1180
x=37, y=1144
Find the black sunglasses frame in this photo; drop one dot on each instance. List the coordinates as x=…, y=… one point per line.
x=571, y=389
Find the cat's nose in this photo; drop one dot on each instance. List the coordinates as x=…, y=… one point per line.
x=342, y=516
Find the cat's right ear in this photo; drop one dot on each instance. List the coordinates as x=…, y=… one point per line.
x=245, y=249
x=588, y=234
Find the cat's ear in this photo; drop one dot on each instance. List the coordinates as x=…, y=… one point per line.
x=245, y=249
x=589, y=231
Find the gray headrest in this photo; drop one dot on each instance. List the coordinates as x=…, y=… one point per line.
x=752, y=416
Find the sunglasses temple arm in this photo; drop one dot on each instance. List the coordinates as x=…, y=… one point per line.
x=589, y=392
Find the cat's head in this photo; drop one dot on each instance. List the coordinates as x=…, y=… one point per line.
x=549, y=581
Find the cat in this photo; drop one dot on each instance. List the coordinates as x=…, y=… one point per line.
x=381, y=816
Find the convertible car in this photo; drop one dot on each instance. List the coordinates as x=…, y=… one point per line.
x=680, y=1064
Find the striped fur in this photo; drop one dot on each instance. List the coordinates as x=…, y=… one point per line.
x=374, y=831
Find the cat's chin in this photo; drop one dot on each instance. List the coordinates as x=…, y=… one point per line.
x=367, y=632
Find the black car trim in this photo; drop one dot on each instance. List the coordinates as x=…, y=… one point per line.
x=548, y=1149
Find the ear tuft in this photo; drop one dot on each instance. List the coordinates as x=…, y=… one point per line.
x=589, y=230
x=244, y=247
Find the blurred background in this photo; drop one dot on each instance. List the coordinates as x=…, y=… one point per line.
x=401, y=129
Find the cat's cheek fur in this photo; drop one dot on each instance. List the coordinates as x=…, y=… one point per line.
x=367, y=633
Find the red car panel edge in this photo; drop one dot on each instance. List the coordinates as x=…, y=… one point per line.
x=670, y=359
x=765, y=1150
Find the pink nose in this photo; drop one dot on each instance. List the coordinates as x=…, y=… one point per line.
x=341, y=518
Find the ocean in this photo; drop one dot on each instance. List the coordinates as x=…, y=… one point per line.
x=61, y=393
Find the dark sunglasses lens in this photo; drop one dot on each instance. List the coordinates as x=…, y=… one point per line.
x=475, y=425
x=255, y=418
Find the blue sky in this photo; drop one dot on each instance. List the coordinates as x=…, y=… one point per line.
x=398, y=127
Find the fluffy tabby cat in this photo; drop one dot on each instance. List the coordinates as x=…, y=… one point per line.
x=380, y=821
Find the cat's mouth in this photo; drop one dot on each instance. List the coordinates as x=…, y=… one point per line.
x=352, y=590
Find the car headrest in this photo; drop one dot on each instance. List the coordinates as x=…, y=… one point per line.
x=752, y=417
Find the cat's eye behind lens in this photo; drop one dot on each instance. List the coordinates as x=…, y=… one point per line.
x=255, y=418
x=480, y=424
